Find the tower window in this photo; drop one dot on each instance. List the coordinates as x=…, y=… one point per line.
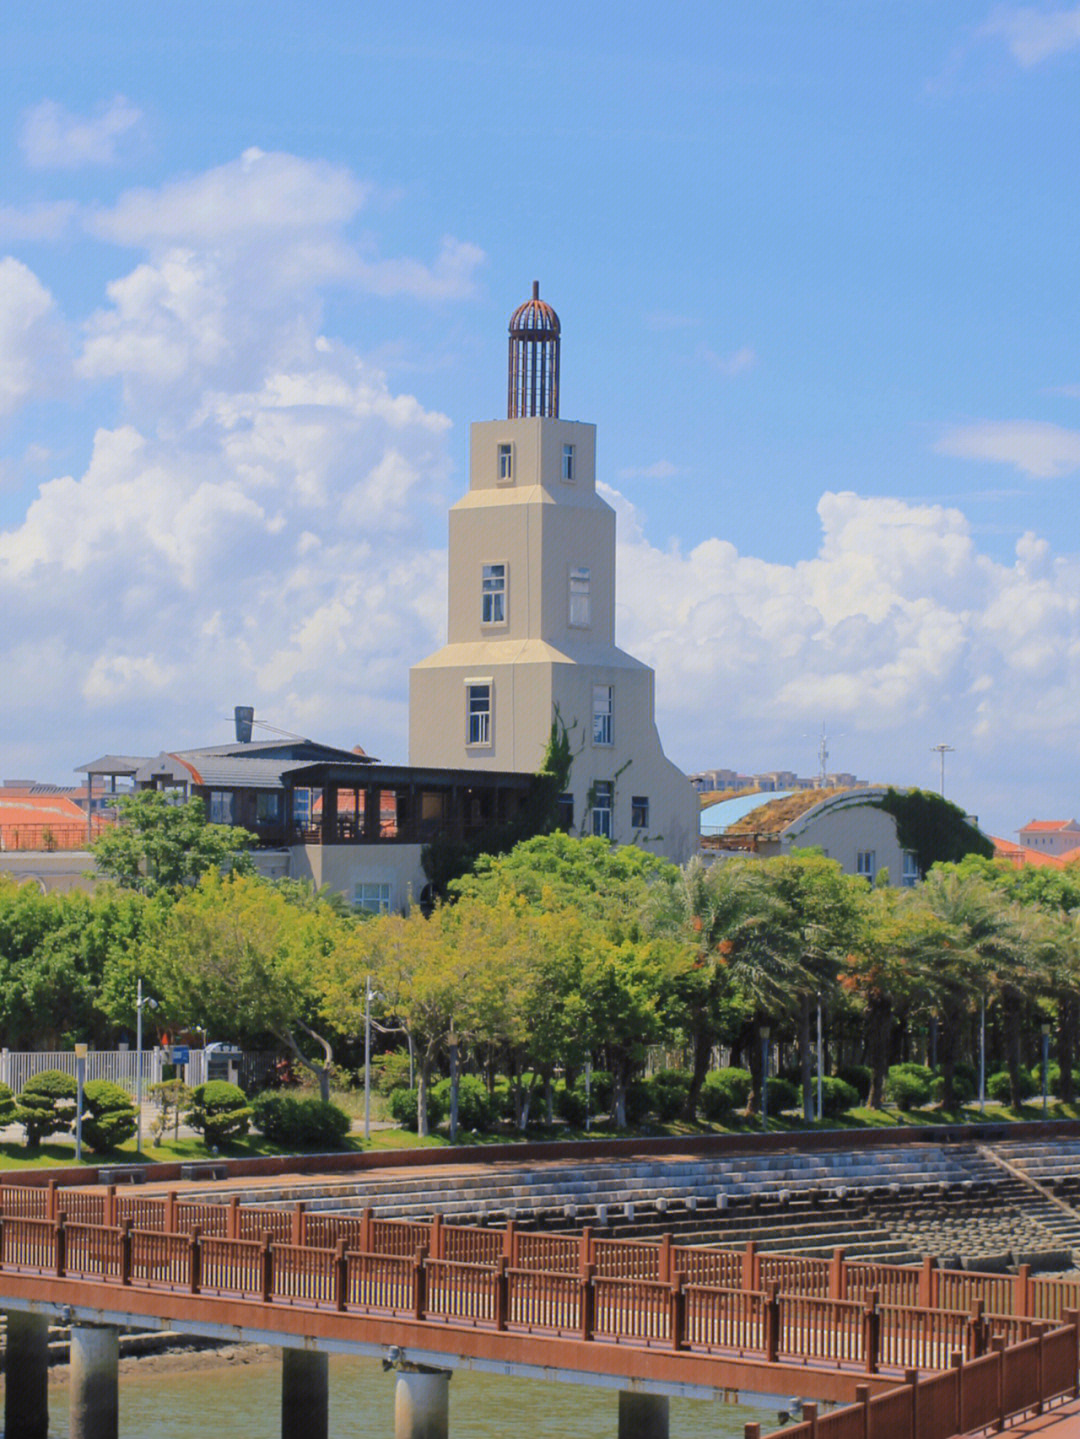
x=478, y=713
x=493, y=595
x=603, y=704
x=568, y=464
x=603, y=793
x=565, y=813
x=580, y=599
x=506, y=464
x=639, y=811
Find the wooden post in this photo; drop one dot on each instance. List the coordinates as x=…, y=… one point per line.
x=170, y=1212
x=809, y=1414
x=266, y=1266
x=195, y=1257
x=341, y=1276
x=956, y=1361
x=998, y=1346
x=1068, y=1316
x=772, y=1324
x=501, y=1293
x=751, y=1268
x=585, y=1251
x=663, y=1259
x=862, y=1396
x=125, y=1251
x=911, y=1379
x=510, y=1243
x=435, y=1237
x=837, y=1275
x=1041, y=1369
x=232, y=1225
x=299, y=1224
x=366, y=1233
x=60, y=1239
x=1022, y=1292
x=928, y=1283
x=977, y=1330
x=587, y=1301
x=108, y=1217
x=419, y=1283
x=751, y=1431
x=50, y=1200
x=872, y=1332
x=677, y=1310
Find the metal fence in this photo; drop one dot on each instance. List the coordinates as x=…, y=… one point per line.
x=117, y=1065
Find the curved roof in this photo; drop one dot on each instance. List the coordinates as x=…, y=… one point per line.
x=535, y=319
x=718, y=817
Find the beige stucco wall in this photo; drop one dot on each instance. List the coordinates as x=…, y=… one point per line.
x=342, y=866
x=843, y=832
x=539, y=665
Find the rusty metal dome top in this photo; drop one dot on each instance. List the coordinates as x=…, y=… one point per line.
x=533, y=376
x=535, y=319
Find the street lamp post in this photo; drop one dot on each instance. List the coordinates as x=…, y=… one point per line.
x=1045, y=1062
x=367, y=1058
x=982, y=1054
x=452, y=1043
x=588, y=1095
x=942, y=750
x=764, y=1076
x=81, y=1051
x=140, y=1004
x=820, y=1064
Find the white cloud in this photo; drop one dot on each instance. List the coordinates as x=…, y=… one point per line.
x=53, y=138
x=729, y=365
x=28, y=333
x=660, y=470
x=46, y=220
x=1042, y=450
x=1035, y=35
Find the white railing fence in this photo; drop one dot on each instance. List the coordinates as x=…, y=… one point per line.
x=118, y=1065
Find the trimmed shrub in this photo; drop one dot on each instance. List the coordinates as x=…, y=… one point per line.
x=724, y=1091
x=670, y=1088
x=999, y=1087
x=108, y=1115
x=782, y=1095
x=297, y=1123
x=7, y=1105
x=570, y=1103
x=837, y=1096
x=46, y=1105
x=859, y=1076
x=403, y=1107
x=476, y=1109
x=219, y=1111
x=908, y=1085
x=964, y=1088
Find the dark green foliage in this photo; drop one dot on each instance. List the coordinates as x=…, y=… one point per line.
x=570, y=1103
x=7, y=1105
x=723, y=1092
x=965, y=1088
x=108, y=1115
x=219, y=1111
x=403, y=1107
x=934, y=829
x=1053, y=1077
x=449, y=857
x=161, y=845
x=476, y=1108
x=908, y=1085
x=999, y=1087
x=782, y=1095
x=389, y=1071
x=670, y=1089
x=46, y=1105
x=837, y=1096
x=299, y=1123
x=640, y=1100
x=859, y=1076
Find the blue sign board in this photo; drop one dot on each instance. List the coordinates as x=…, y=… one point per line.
x=181, y=1054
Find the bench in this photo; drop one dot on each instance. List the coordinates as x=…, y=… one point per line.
x=122, y=1174
x=204, y=1171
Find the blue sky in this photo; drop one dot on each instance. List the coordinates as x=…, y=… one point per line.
x=816, y=268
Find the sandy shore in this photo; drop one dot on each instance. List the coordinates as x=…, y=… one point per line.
x=176, y=1361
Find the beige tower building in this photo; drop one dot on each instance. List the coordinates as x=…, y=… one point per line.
x=532, y=621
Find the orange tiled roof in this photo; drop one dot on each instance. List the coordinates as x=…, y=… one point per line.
x=1020, y=854
x=39, y=809
x=1048, y=825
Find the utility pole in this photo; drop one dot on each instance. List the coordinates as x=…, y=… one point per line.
x=942, y=750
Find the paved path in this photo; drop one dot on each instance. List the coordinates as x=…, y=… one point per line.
x=1061, y=1422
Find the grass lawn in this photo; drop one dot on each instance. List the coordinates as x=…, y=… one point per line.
x=53, y=1155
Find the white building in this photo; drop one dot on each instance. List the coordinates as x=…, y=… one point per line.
x=531, y=634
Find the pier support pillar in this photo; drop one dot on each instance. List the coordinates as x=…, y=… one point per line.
x=26, y=1376
x=422, y=1404
x=305, y=1394
x=642, y=1416
x=95, y=1382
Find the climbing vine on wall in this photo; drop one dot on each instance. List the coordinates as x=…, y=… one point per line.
x=932, y=828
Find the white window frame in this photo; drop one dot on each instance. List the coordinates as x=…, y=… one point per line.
x=504, y=463
x=493, y=600
x=601, y=819
x=484, y=726
x=222, y=806
x=569, y=461
x=375, y=896
x=603, y=715
x=580, y=598
x=909, y=875
x=866, y=864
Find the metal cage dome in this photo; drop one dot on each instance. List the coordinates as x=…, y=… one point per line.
x=533, y=378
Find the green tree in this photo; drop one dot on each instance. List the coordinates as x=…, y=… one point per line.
x=108, y=1115
x=46, y=1105
x=159, y=844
